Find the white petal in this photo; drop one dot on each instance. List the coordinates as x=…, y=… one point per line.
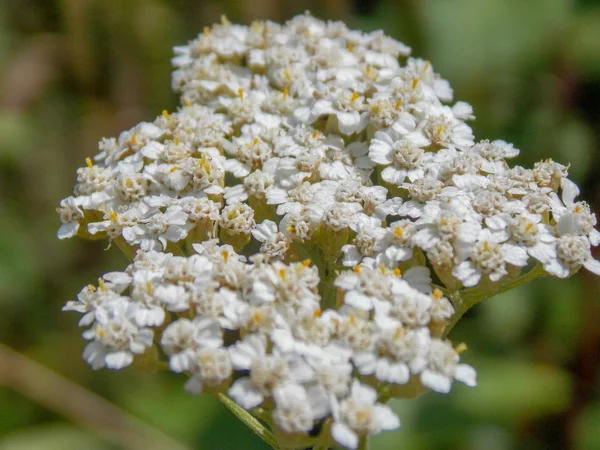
x=393, y=175
x=118, y=360
x=344, y=435
x=594, y=237
x=425, y=238
x=348, y=121
x=593, y=265
x=569, y=191
x=264, y=230
x=544, y=253
x=245, y=394
x=352, y=256
x=380, y=152
x=365, y=362
x=467, y=273
x=466, y=374
x=557, y=269
x=436, y=381
x=386, y=418
x=568, y=224
x=363, y=392
x=358, y=300
x=68, y=230
x=515, y=254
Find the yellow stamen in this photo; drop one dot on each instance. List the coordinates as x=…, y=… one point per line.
x=460, y=348
x=176, y=140
x=224, y=20
x=257, y=316
x=133, y=139
x=315, y=134
x=415, y=83
x=165, y=114
x=241, y=93
x=255, y=141
x=149, y=287
x=398, y=104
x=577, y=209
x=100, y=332
x=225, y=255
x=529, y=226
x=186, y=102
x=357, y=269
x=350, y=46
x=128, y=182
x=101, y=285
x=317, y=312
x=113, y=216
x=206, y=31
x=355, y=96
x=306, y=262
x=486, y=246
x=89, y=163
x=437, y=294
x=286, y=92
x=173, y=169
x=398, y=231
x=382, y=269
x=91, y=287
x=399, y=333
x=282, y=273
x=397, y=271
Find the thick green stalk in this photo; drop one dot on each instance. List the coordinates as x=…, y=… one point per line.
x=467, y=298
x=364, y=443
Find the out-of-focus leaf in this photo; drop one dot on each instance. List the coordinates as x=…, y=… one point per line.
x=51, y=437
x=584, y=41
x=17, y=266
x=188, y=415
x=505, y=317
x=15, y=136
x=515, y=390
x=500, y=33
x=587, y=429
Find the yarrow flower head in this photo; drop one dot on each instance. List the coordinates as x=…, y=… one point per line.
x=308, y=226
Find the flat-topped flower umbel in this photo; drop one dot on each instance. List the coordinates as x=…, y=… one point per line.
x=308, y=226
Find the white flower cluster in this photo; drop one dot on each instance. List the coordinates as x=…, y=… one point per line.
x=289, y=217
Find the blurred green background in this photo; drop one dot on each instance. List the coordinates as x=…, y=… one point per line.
x=73, y=71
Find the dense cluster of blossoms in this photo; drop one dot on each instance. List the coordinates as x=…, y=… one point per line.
x=298, y=227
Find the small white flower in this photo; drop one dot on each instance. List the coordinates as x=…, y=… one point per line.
x=485, y=256
x=267, y=371
x=70, y=214
x=296, y=408
x=359, y=416
x=443, y=368
x=116, y=337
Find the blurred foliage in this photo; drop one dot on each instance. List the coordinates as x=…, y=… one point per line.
x=72, y=71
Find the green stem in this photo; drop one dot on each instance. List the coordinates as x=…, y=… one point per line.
x=127, y=250
x=258, y=428
x=466, y=299
x=364, y=443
